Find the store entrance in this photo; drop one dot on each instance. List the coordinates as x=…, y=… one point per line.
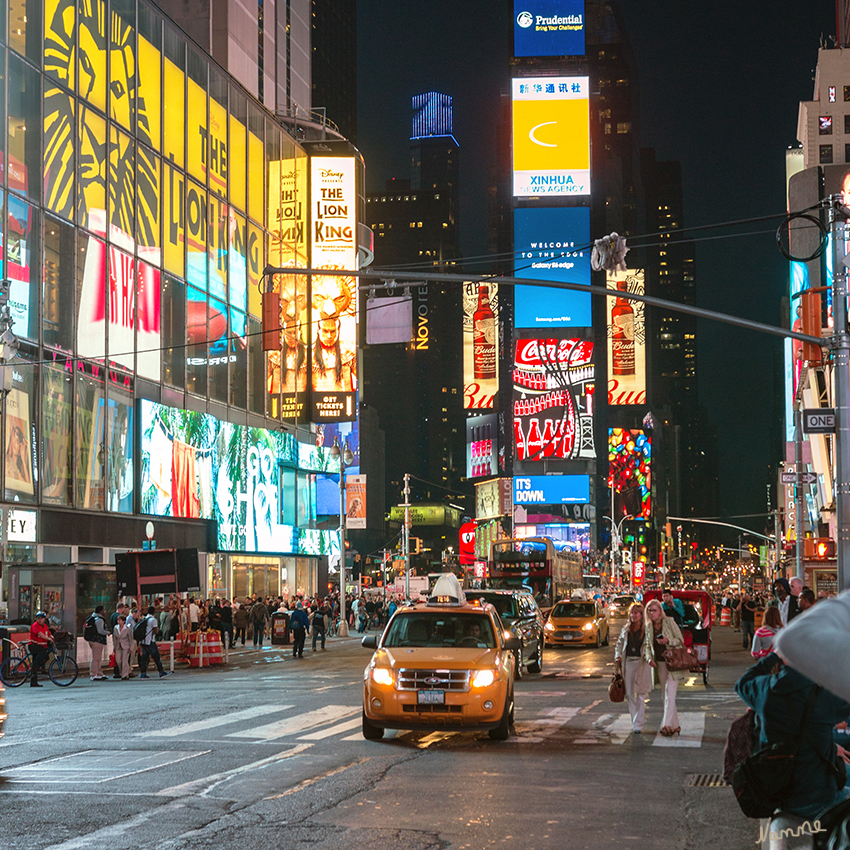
x=257, y=575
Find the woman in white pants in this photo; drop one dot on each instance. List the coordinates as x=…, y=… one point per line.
x=636, y=672
x=662, y=634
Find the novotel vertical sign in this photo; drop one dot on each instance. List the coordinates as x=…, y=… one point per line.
x=551, y=489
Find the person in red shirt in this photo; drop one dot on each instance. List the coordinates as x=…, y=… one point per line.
x=40, y=640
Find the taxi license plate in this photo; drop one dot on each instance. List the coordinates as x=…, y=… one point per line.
x=431, y=697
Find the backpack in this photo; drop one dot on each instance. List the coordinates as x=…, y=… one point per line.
x=90, y=632
x=140, y=631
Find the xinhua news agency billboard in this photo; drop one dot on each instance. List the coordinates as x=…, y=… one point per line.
x=552, y=244
x=551, y=137
x=548, y=27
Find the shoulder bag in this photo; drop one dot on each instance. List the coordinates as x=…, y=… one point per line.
x=681, y=658
x=617, y=688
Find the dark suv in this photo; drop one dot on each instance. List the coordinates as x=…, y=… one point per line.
x=522, y=618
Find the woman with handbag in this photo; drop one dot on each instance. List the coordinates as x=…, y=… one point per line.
x=637, y=674
x=662, y=634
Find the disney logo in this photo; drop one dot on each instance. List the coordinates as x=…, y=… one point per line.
x=326, y=172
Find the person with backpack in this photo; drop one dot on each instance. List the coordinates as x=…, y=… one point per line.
x=319, y=623
x=259, y=614
x=94, y=633
x=299, y=622
x=145, y=634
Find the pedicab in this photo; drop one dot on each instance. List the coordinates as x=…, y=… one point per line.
x=696, y=626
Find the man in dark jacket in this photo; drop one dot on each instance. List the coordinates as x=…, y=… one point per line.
x=299, y=623
x=259, y=613
x=777, y=693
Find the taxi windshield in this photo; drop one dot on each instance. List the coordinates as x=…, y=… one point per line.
x=440, y=629
x=574, y=609
x=502, y=602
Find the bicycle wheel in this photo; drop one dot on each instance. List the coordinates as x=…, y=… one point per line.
x=63, y=671
x=14, y=672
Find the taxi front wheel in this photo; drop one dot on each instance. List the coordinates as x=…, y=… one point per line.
x=503, y=730
x=370, y=731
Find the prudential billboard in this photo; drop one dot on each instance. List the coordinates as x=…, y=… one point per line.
x=548, y=27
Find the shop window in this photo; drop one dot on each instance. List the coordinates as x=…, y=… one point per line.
x=20, y=435
x=150, y=77
x=90, y=452
x=122, y=185
x=22, y=231
x=174, y=215
x=25, y=28
x=119, y=452
x=57, y=399
x=148, y=193
x=219, y=350
x=91, y=292
x=196, y=235
x=239, y=359
x=58, y=277
x=256, y=368
x=94, y=587
x=256, y=164
x=122, y=308
x=148, y=321
x=123, y=63
x=173, y=332
x=288, y=498
x=59, y=165
x=237, y=160
x=306, y=513
x=24, y=129
x=91, y=173
x=174, y=106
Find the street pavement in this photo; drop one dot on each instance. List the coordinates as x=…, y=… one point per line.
x=268, y=752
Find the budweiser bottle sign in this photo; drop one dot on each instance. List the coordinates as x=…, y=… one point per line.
x=484, y=337
x=623, y=335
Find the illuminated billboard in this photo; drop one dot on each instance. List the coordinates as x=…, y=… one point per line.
x=551, y=489
x=553, y=387
x=548, y=27
x=333, y=245
x=626, y=340
x=194, y=465
x=480, y=345
x=482, y=446
x=552, y=244
x=630, y=473
x=551, y=136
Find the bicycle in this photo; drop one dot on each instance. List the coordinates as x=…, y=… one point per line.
x=16, y=670
x=333, y=627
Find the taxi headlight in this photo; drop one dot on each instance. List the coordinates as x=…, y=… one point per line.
x=382, y=676
x=549, y=627
x=483, y=678
x=508, y=634
x=587, y=627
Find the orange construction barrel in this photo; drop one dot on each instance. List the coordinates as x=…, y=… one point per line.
x=726, y=617
x=759, y=618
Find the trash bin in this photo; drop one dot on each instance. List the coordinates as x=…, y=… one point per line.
x=280, y=628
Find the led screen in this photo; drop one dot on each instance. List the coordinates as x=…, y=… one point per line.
x=480, y=345
x=548, y=27
x=194, y=465
x=553, y=386
x=482, y=446
x=551, y=244
x=333, y=245
x=551, y=489
x=551, y=136
x=626, y=340
x=630, y=472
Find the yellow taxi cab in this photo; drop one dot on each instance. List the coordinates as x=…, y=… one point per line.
x=444, y=664
x=576, y=621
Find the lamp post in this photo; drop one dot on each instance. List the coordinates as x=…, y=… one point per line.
x=616, y=536
x=346, y=458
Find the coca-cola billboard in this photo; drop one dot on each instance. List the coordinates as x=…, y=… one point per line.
x=626, y=340
x=553, y=388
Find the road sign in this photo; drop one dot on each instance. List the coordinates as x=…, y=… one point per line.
x=819, y=420
x=791, y=478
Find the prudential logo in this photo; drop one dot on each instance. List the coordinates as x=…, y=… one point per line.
x=525, y=19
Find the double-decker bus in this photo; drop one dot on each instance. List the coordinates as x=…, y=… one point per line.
x=538, y=564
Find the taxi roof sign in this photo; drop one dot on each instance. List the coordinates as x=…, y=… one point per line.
x=447, y=591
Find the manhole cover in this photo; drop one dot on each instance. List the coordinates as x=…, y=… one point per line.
x=96, y=766
x=706, y=780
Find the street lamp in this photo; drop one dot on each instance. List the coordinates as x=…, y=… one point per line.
x=616, y=536
x=346, y=459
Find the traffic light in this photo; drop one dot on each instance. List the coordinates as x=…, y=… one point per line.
x=811, y=321
x=415, y=545
x=821, y=548
x=271, y=321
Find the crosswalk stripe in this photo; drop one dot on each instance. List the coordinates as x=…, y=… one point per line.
x=334, y=730
x=297, y=723
x=536, y=731
x=620, y=729
x=693, y=728
x=212, y=722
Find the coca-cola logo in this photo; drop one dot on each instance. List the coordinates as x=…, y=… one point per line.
x=575, y=352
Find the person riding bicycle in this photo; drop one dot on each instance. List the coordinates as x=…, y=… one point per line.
x=40, y=640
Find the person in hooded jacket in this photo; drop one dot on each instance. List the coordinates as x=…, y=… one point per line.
x=299, y=623
x=778, y=694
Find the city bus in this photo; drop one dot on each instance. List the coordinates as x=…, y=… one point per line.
x=539, y=564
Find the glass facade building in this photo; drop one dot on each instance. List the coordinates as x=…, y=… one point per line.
x=143, y=193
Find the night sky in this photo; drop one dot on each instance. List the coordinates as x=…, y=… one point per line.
x=719, y=86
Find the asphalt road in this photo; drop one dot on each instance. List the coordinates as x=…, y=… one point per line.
x=268, y=753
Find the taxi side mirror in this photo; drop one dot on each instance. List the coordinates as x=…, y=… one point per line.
x=513, y=644
x=370, y=642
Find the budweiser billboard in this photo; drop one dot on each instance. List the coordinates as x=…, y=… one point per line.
x=553, y=387
x=626, y=340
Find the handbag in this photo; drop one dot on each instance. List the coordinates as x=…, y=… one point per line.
x=763, y=781
x=739, y=743
x=681, y=658
x=617, y=688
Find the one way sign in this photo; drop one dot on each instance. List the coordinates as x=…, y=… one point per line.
x=819, y=420
x=791, y=477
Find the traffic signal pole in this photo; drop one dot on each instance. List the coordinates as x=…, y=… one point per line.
x=840, y=346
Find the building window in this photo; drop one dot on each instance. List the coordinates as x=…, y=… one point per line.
x=607, y=129
x=825, y=154
x=832, y=94
x=623, y=127
x=825, y=125
x=846, y=93
x=847, y=153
